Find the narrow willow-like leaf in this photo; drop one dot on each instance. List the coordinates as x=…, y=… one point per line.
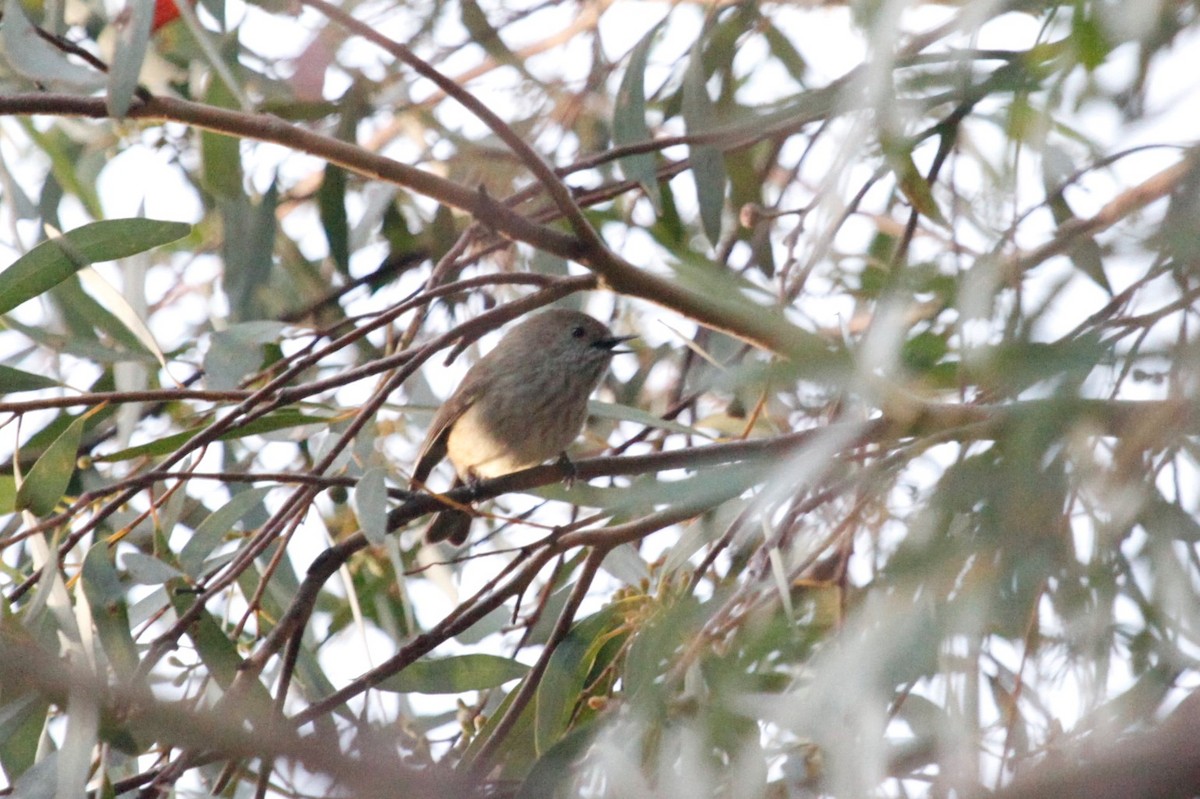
x=110, y=610
x=43, y=487
x=566, y=675
x=213, y=529
x=53, y=261
x=708, y=165
x=13, y=381
x=629, y=119
x=31, y=56
x=279, y=420
x=133, y=35
x=454, y=674
x=370, y=505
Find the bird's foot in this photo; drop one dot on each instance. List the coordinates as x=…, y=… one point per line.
x=572, y=472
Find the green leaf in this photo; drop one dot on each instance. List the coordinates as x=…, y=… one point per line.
x=282, y=419
x=454, y=675
x=248, y=247
x=213, y=529
x=146, y=570
x=133, y=35
x=627, y=413
x=566, y=675
x=29, y=55
x=21, y=721
x=784, y=51
x=220, y=154
x=13, y=381
x=331, y=202
x=53, y=261
x=116, y=304
x=485, y=35
x=1167, y=520
x=629, y=120
x=220, y=654
x=370, y=505
x=110, y=609
x=1091, y=45
x=8, y=493
x=708, y=164
x=555, y=768
x=43, y=487
x=924, y=351
x=913, y=185
x=237, y=351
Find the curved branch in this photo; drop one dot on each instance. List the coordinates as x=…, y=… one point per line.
x=269, y=128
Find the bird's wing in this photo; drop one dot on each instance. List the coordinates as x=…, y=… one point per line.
x=434, y=449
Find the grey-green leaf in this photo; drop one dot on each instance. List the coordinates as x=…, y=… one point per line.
x=13, y=381
x=46, y=482
x=454, y=674
x=32, y=57
x=708, y=164
x=237, y=351
x=629, y=119
x=53, y=261
x=370, y=505
x=212, y=530
x=132, y=38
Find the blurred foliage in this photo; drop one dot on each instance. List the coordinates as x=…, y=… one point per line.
x=952, y=551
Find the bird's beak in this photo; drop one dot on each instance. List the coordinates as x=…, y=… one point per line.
x=613, y=342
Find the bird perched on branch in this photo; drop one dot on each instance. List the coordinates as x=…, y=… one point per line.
x=520, y=405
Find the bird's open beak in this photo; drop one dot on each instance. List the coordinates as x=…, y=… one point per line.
x=612, y=343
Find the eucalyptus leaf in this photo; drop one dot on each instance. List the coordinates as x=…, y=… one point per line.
x=30, y=55
x=237, y=351
x=454, y=675
x=370, y=504
x=52, y=261
x=145, y=570
x=110, y=610
x=133, y=36
x=629, y=119
x=708, y=164
x=212, y=531
x=14, y=381
x=282, y=419
x=44, y=485
x=567, y=673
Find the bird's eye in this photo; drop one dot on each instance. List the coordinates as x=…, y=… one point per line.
x=577, y=332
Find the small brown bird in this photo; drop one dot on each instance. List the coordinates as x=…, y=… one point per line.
x=521, y=404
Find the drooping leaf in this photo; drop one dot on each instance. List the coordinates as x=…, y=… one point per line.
x=43, y=486
x=629, y=119
x=22, y=718
x=564, y=681
x=554, y=769
x=114, y=301
x=331, y=202
x=145, y=570
x=708, y=164
x=220, y=655
x=133, y=35
x=220, y=154
x=110, y=610
x=248, y=250
x=370, y=505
